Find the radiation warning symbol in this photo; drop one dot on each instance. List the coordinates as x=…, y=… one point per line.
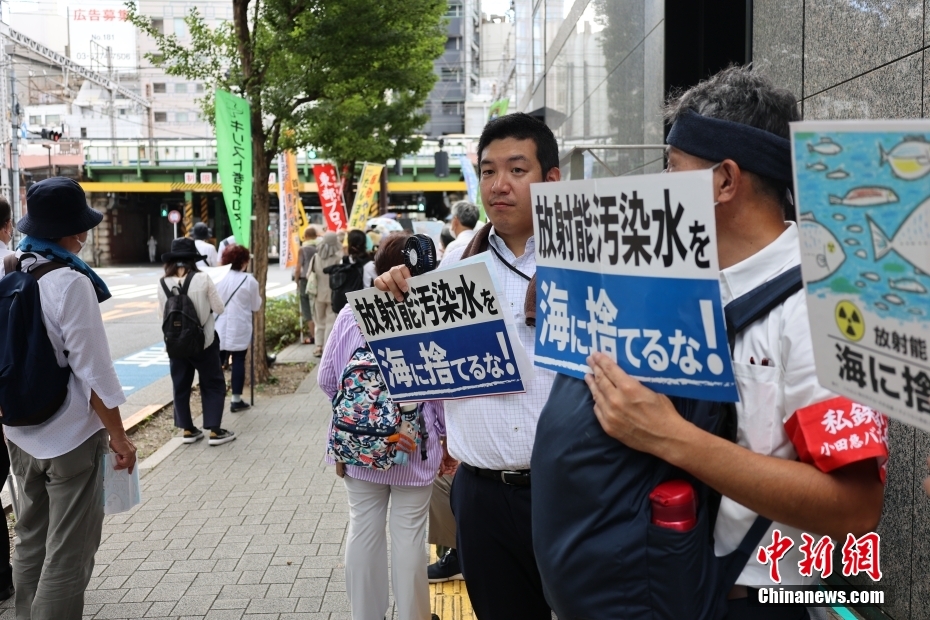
x=849, y=320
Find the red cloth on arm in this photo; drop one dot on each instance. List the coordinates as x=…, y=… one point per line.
x=837, y=432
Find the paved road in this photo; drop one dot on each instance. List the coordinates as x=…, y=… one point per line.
x=134, y=326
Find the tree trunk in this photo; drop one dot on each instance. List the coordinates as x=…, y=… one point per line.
x=348, y=185
x=259, y=236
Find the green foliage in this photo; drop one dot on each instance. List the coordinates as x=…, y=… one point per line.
x=348, y=77
x=282, y=322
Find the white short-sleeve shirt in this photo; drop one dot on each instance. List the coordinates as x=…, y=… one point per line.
x=234, y=326
x=769, y=395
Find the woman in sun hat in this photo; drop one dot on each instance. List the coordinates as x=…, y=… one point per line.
x=180, y=272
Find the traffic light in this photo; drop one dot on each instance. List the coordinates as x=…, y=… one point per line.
x=54, y=136
x=45, y=134
x=164, y=210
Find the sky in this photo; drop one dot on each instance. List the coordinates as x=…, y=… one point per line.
x=495, y=7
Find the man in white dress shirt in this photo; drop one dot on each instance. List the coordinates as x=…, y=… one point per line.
x=60, y=461
x=493, y=436
x=464, y=219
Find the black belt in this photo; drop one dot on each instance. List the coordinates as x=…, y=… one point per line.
x=516, y=478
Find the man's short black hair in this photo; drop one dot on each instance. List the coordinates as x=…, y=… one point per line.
x=521, y=126
x=6, y=212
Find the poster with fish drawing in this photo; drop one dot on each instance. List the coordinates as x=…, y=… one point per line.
x=863, y=202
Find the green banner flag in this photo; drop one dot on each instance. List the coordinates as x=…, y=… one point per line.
x=234, y=155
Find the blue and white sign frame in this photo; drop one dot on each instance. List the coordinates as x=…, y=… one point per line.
x=452, y=337
x=628, y=266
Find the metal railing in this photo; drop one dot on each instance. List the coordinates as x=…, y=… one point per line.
x=575, y=157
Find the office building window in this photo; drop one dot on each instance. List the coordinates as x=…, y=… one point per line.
x=35, y=120
x=161, y=117
x=455, y=8
x=180, y=87
x=83, y=132
x=158, y=87
x=180, y=28
x=53, y=119
x=451, y=74
x=453, y=108
x=198, y=88
x=158, y=25
x=180, y=117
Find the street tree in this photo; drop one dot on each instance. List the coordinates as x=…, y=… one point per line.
x=347, y=77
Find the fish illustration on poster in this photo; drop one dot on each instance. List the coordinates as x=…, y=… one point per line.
x=865, y=258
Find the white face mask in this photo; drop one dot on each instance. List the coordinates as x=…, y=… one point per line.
x=82, y=243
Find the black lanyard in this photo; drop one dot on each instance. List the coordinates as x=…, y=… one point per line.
x=509, y=266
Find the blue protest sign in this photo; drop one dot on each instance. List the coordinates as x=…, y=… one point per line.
x=628, y=266
x=450, y=338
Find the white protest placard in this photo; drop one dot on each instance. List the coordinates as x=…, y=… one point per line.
x=452, y=337
x=628, y=266
x=863, y=200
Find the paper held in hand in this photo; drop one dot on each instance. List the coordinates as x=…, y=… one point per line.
x=121, y=490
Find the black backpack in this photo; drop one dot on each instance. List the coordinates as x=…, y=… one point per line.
x=182, y=328
x=32, y=384
x=344, y=277
x=598, y=554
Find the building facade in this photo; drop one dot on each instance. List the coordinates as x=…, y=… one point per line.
x=457, y=71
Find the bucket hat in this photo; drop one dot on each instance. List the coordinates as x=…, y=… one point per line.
x=56, y=208
x=200, y=231
x=183, y=249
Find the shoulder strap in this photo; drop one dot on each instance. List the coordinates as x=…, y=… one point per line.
x=748, y=308
x=187, y=282
x=44, y=268
x=244, y=278
x=165, y=287
x=740, y=313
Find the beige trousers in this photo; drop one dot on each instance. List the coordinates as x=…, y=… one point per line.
x=59, y=529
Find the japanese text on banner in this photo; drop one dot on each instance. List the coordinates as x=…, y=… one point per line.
x=293, y=218
x=330, y=191
x=449, y=338
x=234, y=154
x=365, y=207
x=628, y=267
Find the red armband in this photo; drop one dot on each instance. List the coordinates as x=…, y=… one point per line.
x=837, y=432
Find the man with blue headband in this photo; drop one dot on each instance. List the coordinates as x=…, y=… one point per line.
x=599, y=554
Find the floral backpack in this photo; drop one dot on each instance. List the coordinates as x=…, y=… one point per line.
x=366, y=422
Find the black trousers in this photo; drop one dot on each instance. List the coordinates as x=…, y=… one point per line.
x=495, y=549
x=739, y=609
x=212, y=386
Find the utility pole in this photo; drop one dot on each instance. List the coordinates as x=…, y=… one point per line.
x=14, y=148
x=114, y=155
